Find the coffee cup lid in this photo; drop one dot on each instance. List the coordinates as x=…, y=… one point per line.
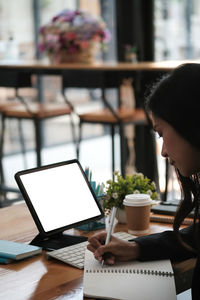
x=137, y=200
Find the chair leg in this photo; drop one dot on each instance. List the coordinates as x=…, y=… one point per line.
x=4, y=201
x=38, y=143
x=1, y=148
x=22, y=142
x=2, y=179
x=113, y=149
x=74, y=135
x=79, y=140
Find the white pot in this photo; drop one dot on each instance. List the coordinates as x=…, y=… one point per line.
x=121, y=216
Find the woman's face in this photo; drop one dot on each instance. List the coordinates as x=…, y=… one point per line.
x=182, y=155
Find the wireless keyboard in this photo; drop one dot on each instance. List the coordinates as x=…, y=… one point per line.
x=74, y=255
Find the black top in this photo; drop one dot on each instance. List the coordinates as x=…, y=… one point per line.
x=165, y=246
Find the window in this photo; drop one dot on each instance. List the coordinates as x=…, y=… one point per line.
x=19, y=27
x=177, y=29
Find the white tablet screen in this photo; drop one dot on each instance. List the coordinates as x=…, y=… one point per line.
x=60, y=196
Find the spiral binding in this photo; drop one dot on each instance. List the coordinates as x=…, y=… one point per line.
x=131, y=271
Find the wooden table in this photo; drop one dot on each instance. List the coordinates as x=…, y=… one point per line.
x=37, y=277
x=42, y=66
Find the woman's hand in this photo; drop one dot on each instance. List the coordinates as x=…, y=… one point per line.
x=115, y=250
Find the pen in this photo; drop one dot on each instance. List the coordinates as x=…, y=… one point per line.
x=110, y=226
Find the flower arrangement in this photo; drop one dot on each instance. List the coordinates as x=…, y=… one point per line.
x=73, y=32
x=117, y=189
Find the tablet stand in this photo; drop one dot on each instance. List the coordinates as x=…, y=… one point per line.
x=57, y=241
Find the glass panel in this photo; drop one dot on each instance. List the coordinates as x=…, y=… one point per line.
x=177, y=29
x=17, y=26
x=50, y=8
x=16, y=37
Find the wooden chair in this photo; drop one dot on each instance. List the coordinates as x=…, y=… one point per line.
x=4, y=189
x=106, y=116
x=36, y=112
x=116, y=118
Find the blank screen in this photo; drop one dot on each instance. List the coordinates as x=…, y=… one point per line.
x=60, y=196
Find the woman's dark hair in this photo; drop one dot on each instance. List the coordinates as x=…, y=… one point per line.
x=176, y=99
x=191, y=191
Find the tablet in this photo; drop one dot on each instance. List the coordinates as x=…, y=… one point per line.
x=59, y=197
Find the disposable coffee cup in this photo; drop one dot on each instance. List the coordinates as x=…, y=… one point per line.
x=137, y=208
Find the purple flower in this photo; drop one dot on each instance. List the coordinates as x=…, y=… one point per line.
x=55, y=19
x=42, y=29
x=41, y=47
x=106, y=35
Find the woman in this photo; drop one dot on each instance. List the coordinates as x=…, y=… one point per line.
x=174, y=107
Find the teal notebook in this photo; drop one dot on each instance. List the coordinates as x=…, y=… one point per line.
x=5, y=261
x=16, y=251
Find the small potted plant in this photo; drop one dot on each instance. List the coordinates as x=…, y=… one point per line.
x=117, y=189
x=130, y=53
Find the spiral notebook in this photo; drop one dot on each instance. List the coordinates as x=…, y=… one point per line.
x=129, y=280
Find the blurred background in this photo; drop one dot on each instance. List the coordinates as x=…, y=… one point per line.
x=153, y=30
x=176, y=24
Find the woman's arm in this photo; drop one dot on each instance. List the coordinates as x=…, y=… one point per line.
x=151, y=247
x=165, y=245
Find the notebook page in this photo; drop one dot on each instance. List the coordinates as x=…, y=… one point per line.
x=129, y=280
